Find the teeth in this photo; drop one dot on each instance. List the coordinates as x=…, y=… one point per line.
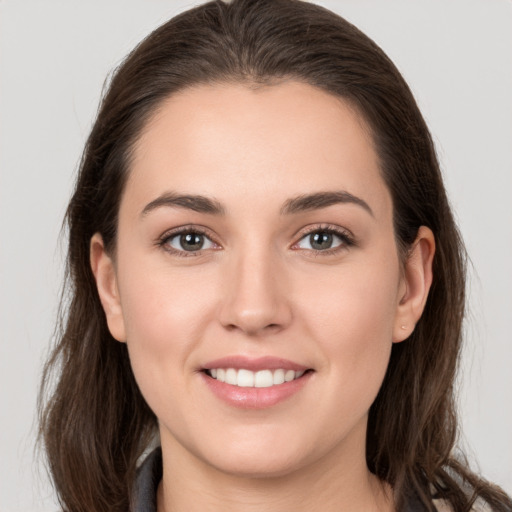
x=263, y=379
x=245, y=379
x=231, y=376
x=248, y=379
x=289, y=375
x=278, y=377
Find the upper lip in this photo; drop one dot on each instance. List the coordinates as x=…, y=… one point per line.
x=254, y=364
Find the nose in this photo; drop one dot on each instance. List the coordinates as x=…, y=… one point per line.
x=255, y=299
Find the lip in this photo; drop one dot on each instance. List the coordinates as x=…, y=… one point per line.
x=254, y=364
x=255, y=398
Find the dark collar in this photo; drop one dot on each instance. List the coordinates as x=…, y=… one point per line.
x=149, y=475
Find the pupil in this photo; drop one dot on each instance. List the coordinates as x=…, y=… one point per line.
x=191, y=241
x=321, y=240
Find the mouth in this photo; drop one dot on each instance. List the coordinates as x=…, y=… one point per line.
x=245, y=378
x=258, y=383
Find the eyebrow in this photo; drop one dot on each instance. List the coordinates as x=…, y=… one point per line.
x=197, y=203
x=320, y=200
x=305, y=202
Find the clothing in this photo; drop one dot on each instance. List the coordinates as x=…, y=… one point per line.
x=150, y=474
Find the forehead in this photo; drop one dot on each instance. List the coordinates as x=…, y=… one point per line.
x=274, y=141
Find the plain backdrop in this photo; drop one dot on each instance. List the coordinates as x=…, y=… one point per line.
x=456, y=56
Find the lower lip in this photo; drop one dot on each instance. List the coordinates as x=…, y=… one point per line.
x=255, y=398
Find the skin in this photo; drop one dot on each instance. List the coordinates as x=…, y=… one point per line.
x=258, y=289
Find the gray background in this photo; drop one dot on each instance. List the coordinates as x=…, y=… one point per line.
x=54, y=57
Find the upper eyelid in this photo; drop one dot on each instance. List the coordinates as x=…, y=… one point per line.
x=189, y=228
x=307, y=230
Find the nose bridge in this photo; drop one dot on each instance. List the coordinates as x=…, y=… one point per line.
x=255, y=298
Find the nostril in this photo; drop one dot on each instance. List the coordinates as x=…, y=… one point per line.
x=253, y=328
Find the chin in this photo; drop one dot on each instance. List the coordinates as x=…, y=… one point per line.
x=267, y=457
x=258, y=467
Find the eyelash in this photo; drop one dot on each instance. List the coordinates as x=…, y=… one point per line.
x=164, y=240
x=347, y=239
x=345, y=236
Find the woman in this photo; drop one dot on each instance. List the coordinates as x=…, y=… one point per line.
x=267, y=280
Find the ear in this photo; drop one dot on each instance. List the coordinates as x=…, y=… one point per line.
x=106, y=282
x=415, y=284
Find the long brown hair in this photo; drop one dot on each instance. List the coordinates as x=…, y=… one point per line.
x=93, y=421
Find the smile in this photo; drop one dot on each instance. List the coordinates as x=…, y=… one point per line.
x=248, y=379
x=255, y=383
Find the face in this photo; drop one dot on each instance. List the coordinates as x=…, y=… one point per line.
x=256, y=247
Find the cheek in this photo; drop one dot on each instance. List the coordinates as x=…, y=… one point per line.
x=360, y=298
x=165, y=315
x=352, y=318
x=161, y=306
x=347, y=314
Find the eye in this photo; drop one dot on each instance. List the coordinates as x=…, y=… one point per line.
x=188, y=241
x=324, y=239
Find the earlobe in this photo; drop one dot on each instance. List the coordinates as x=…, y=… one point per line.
x=414, y=289
x=106, y=283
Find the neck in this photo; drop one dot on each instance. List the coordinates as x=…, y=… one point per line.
x=338, y=481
